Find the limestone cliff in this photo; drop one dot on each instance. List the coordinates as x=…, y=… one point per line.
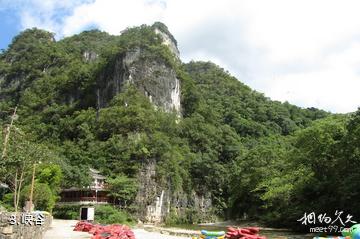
x=87, y=71
x=156, y=202
x=152, y=76
x=157, y=80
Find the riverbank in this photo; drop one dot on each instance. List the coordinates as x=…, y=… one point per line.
x=64, y=229
x=145, y=234
x=172, y=231
x=188, y=231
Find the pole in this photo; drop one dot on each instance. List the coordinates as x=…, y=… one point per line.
x=32, y=189
x=7, y=135
x=15, y=192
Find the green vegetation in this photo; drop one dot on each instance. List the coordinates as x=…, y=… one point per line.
x=189, y=217
x=122, y=189
x=67, y=211
x=250, y=155
x=106, y=214
x=44, y=198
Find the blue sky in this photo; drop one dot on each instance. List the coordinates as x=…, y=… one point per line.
x=302, y=51
x=10, y=27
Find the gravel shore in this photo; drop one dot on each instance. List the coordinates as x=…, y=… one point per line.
x=142, y=234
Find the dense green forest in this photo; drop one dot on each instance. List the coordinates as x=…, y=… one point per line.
x=268, y=160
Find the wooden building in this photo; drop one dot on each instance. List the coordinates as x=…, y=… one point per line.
x=96, y=193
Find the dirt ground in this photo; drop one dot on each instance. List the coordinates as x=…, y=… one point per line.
x=63, y=229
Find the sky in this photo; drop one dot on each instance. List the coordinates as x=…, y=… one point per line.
x=306, y=52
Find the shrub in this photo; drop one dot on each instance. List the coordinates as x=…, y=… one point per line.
x=106, y=214
x=188, y=216
x=8, y=201
x=67, y=212
x=43, y=199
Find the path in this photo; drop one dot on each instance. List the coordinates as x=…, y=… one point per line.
x=63, y=229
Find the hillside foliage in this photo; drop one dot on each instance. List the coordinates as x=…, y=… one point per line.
x=268, y=160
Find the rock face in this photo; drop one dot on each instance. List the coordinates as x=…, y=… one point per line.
x=90, y=56
x=167, y=41
x=156, y=202
x=154, y=77
x=157, y=80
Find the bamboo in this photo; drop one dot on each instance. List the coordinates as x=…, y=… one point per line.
x=15, y=192
x=20, y=184
x=32, y=188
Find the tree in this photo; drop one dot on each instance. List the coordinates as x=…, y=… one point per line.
x=122, y=189
x=349, y=166
x=309, y=173
x=43, y=199
x=21, y=154
x=51, y=175
x=232, y=144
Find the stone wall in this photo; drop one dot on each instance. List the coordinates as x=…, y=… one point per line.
x=22, y=230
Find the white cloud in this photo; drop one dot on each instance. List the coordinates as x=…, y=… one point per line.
x=334, y=85
x=113, y=15
x=302, y=51
x=45, y=14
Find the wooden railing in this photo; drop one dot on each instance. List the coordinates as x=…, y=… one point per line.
x=85, y=199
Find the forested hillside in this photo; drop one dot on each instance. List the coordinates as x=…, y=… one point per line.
x=230, y=145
